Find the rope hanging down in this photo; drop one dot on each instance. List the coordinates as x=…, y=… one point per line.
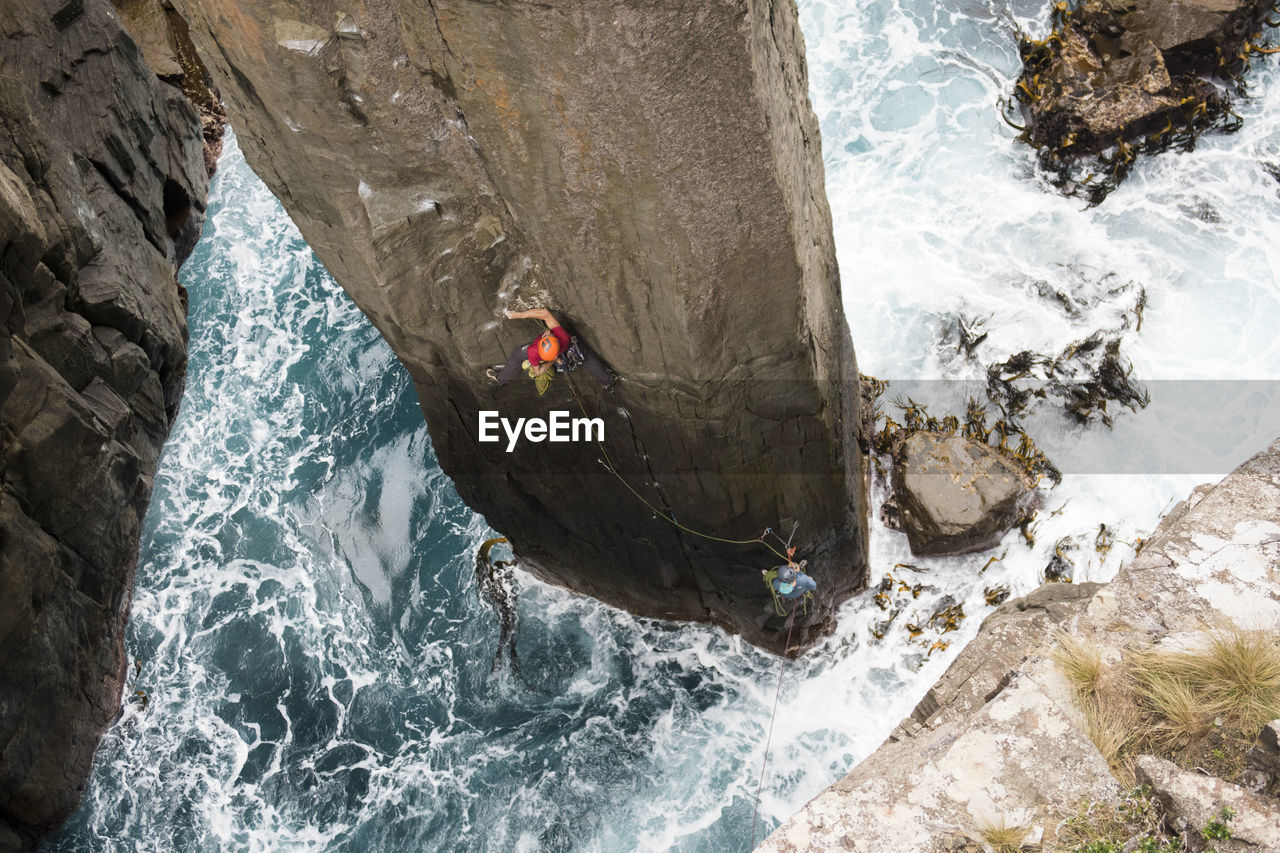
x=607, y=462
x=791, y=623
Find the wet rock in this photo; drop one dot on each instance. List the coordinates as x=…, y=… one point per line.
x=650, y=172
x=955, y=495
x=1191, y=800
x=102, y=189
x=1124, y=76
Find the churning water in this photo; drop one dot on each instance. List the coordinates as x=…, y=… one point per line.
x=313, y=661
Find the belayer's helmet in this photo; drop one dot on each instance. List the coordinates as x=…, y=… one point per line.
x=786, y=574
x=548, y=347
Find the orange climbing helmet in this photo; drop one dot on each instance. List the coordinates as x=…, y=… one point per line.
x=548, y=347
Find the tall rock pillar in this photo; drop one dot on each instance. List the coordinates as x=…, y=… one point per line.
x=652, y=173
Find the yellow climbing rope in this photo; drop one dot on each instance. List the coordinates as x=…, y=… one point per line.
x=608, y=463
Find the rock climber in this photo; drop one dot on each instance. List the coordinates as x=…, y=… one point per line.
x=555, y=349
x=791, y=582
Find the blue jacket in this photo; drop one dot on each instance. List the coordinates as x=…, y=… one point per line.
x=793, y=583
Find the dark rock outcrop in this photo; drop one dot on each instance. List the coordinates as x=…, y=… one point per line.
x=1262, y=761
x=652, y=173
x=1115, y=78
x=953, y=495
x=102, y=189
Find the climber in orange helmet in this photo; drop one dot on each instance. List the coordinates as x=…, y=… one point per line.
x=554, y=350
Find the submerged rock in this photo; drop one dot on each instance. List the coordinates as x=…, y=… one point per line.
x=1118, y=77
x=102, y=189
x=650, y=172
x=956, y=496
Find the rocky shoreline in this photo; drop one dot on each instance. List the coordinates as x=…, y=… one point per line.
x=1000, y=737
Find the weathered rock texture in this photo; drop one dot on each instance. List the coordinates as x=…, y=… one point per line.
x=102, y=189
x=999, y=737
x=161, y=34
x=1134, y=75
x=953, y=495
x=652, y=173
x=1190, y=800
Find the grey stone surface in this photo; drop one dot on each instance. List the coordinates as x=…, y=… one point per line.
x=1191, y=800
x=148, y=24
x=955, y=495
x=652, y=173
x=999, y=737
x=102, y=188
x=1009, y=636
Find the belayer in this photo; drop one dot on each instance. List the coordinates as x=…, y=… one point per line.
x=555, y=349
x=792, y=583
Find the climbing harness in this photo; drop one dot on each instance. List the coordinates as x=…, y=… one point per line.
x=755, y=810
x=572, y=358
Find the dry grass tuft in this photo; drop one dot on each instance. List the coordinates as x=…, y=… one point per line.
x=1238, y=674
x=1112, y=725
x=1080, y=661
x=1177, y=712
x=1235, y=677
x=1003, y=837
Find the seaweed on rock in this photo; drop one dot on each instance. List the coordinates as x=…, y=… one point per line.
x=1112, y=81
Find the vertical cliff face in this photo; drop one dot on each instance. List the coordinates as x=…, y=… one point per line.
x=102, y=188
x=651, y=172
